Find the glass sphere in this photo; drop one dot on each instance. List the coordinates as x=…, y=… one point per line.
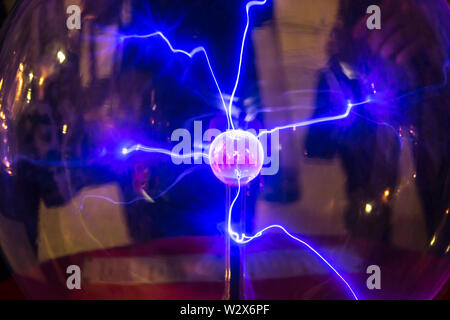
x=236, y=157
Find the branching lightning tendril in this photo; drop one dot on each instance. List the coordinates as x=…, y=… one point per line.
x=306, y=123
x=244, y=239
x=174, y=155
x=241, y=57
x=144, y=198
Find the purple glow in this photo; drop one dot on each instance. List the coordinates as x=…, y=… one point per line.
x=243, y=239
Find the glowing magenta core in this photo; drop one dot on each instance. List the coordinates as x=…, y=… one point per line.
x=236, y=155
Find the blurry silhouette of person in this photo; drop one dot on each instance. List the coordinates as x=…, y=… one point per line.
x=397, y=75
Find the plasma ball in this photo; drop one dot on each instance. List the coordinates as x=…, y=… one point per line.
x=236, y=157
